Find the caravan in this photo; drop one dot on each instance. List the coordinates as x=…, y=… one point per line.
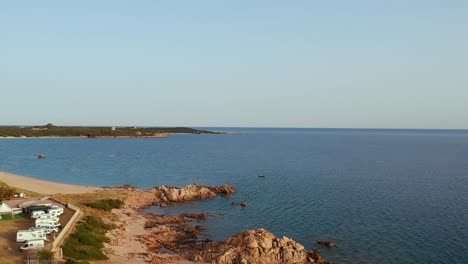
x=50, y=225
x=48, y=216
x=47, y=230
x=37, y=214
x=26, y=235
x=47, y=221
x=55, y=210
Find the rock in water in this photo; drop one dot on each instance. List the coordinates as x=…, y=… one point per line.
x=326, y=243
x=41, y=156
x=244, y=204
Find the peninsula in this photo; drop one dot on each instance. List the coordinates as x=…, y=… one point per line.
x=51, y=130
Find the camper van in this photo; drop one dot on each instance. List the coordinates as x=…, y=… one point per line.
x=47, y=230
x=55, y=210
x=48, y=216
x=50, y=225
x=33, y=208
x=26, y=235
x=47, y=221
x=32, y=244
x=37, y=214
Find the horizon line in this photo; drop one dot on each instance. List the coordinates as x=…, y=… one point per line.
x=260, y=127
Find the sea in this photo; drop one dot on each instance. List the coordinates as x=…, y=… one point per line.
x=382, y=196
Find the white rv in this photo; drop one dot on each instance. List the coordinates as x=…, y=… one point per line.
x=36, y=214
x=47, y=221
x=47, y=230
x=32, y=244
x=50, y=225
x=48, y=216
x=26, y=235
x=55, y=210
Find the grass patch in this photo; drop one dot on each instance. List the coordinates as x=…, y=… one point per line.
x=31, y=193
x=87, y=240
x=106, y=204
x=9, y=217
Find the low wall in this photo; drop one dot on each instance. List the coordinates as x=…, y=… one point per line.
x=67, y=228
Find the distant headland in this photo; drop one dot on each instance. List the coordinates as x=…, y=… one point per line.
x=52, y=131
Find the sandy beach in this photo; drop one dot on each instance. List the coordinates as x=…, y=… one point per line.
x=42, y=186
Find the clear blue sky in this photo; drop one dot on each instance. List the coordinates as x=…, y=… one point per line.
x=381, y=64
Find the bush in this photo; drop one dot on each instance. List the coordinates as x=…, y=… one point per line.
x=87, y=240
x=45, y=256
x=6, y=192
x=106, y=204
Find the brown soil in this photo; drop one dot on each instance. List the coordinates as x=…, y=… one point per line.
x=9, y=248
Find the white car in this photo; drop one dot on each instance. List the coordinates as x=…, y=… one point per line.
x=32, y=244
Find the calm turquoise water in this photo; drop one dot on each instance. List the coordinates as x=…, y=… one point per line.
x=384, y=196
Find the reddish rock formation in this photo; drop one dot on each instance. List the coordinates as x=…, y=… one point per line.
x=163, y=195
x=193, y=192
x=257, y=247
x=182, y=220
x=171, y=232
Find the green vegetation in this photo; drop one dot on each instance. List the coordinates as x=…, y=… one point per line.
x=51, y=130
x=106, y=204
x=16, y=190
x=45, y=256
x=87, y=240
x=6, y=192
x=72, y=261
x=9, y=217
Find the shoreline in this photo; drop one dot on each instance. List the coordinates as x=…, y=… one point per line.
x=44, y=186
x=149, y=238
x=167, y=135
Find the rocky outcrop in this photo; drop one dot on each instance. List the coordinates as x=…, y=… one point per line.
x=163, y=195
x=138, y=199
x=193, y=192
x=257, y=247
x=171, y=232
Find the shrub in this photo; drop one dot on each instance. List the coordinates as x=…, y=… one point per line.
x=72, y=261
x=45, y=256
x=87, y=240
x=6, y=192
x=106, y=204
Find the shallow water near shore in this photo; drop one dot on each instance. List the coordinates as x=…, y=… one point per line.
x=383, y=196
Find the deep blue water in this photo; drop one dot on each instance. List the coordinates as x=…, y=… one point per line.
x=384, y=196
